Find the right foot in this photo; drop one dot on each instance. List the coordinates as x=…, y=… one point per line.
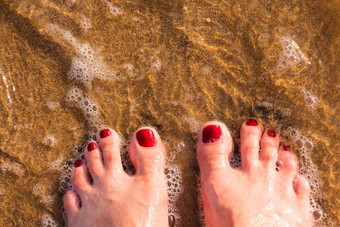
x=256, y=194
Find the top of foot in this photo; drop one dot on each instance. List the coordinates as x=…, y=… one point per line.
x=106, y=196
x=256, y=194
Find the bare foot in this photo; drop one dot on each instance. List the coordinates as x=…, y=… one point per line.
x=256, y=194
x=113, y=198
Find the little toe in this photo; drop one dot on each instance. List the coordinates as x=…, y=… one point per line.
x=214, y=148
x=251, y=132
x=269, y=148
x=94, y=160
x=80, y=178
x=71, y=203
x=302, y=187
x=147, y=152
x=287, y=163
x=109, y=142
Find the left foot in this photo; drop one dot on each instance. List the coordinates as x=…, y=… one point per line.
x=106, y=196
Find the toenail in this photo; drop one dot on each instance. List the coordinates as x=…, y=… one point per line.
x=286, y=147
x=146, y=138
x=105, y=133
x=252, y=122
x=91, y=146
x=211, y=133
x=78, y=163
x=271, y=132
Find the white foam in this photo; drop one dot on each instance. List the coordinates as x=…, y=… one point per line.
x=11, y=166
x=85, y=23
x=30, y=99
x=194, y=124
x=48, y=221
x=286, y=112
x=49, y=140
x=267, y=105
x=180, y=147
x=77, y=98
x=311, y=100
x=56, y=164
x=199, y=200
x=38, y=190
x=53, y=105
x=304, y=147
x=70, y=3
x=291, y=55
x=114, y=10
x=135, y=19
x=206, y=70
x=129, y=68
x=126, y=162
x=87, y=64
x=174, y=188
x=9, y=87
x=156, y=65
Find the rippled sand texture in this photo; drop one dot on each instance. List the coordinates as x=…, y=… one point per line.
x=170, y=64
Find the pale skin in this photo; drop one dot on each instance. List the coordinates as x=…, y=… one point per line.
x=256, y=194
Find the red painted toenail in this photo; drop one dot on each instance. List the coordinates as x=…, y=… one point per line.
x=105, y=133
x=271, y=132
x=91, y=146
x=252, y=122
x=286, y=147
x=146, y=138
x=211, y=133
x=78, y=163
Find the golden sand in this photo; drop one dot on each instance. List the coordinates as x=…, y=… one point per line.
x=169, y=64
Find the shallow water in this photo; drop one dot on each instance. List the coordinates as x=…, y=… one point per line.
x=169, y=64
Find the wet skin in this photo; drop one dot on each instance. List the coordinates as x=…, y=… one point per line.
x=114, y=198
x=256, y=194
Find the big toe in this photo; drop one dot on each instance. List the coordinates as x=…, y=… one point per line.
x=214, y=148
x=147, y=152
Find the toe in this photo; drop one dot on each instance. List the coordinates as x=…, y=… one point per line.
x=94, y=160
x=301, y=187
x=269, y=148
x=71, y=203
x=251, y=132
x=80, y=177
x=147, y=152
x=109, y=142
x=214, y=148
x=288, y=163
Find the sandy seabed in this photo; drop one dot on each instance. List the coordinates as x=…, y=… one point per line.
x=69, y=68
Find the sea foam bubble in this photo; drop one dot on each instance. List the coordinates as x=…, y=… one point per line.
x=304, y=146
x=81, y=100
x=48, y=221
x=291, y=55
x=114, y=10
x=87, y=64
